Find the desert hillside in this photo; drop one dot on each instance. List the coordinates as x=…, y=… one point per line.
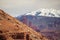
x=12, y=29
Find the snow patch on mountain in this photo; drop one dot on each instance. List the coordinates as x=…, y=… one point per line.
x=45, y=12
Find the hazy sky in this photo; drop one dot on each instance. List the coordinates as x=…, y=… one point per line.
x=19, y=7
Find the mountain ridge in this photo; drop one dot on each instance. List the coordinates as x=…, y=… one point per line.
x=48, y=26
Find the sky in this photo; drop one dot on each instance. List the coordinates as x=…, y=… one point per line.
x=20, y=7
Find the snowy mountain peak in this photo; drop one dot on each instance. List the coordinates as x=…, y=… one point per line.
x=45, y=12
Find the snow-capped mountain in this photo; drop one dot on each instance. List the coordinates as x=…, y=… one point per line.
x=45, y=12
x=46, y=21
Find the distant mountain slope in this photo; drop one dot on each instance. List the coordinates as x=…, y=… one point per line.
x=51, y=23
x=12, y=29
x=47, y=25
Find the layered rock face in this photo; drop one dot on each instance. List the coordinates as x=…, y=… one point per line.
x=12, y=29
